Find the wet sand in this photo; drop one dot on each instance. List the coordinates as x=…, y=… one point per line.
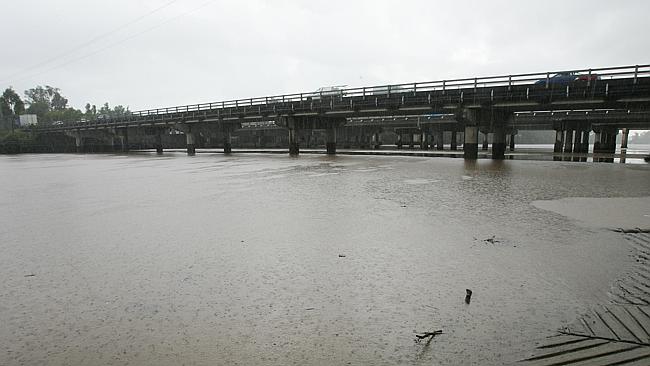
x=148, y=260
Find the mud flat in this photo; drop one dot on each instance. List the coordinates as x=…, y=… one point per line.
x=616, y=332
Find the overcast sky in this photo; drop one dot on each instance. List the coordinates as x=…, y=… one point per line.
x=155, y=53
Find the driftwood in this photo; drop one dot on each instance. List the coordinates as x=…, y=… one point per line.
x=468, y=296
x=424, y=335
x=631, y=231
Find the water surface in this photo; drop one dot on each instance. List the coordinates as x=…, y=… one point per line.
x=265, y=259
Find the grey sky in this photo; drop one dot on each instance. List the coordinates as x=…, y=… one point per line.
x=238, y=49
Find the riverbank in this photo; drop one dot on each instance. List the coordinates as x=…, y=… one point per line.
x=616, y=331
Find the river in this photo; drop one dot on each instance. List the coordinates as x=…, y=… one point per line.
x=256, y=259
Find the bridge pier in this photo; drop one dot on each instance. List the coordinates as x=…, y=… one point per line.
x=499, y=143
x=124, y=139
x=585, y=141
x=485, y=141
x=190, y=141
x=577, y=141
x=294, y=149
x=79, y=142
x=424, y=140
x=454, y=141
x=227, y=141
x=597, y=145
x=330, y=143
x=440, y=140
x=568, y=141
x=470, y=146
x=559, y=141
x=376, y=140
x=159, y=145
x=624, y=138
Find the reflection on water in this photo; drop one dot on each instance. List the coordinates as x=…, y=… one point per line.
x=265, y=259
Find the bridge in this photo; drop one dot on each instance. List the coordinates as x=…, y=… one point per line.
x=571, y=102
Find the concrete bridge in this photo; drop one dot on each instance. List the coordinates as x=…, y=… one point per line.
x=573, y=103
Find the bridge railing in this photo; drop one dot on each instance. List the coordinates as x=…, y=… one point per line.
x=541, y=80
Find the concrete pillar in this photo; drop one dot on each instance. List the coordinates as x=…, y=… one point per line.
x=331, y=139
x=440, y=140
x=597, y=137
x=159, y=146
x=485, y=141
x=499, y=143
x=227, y=141
x=79, y=142
x=612, y=141
x=110, y=143
x=470, y=146
x=624, y=138
x=568, y=141
x=577, y=143
x=559, y=141
x=376, y=143
x=424, y=142
x=512, y=141
x=294, y=149
x=190, y=142
x=585, y=142
x=454, y=141
x=125, y=140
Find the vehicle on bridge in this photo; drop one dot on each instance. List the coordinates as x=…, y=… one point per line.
x=565, y=78
x=329, y=91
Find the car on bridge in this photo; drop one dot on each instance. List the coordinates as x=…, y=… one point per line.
x=566, y=78
x=329, y=91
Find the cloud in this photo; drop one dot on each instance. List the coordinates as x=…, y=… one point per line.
x=191, y=52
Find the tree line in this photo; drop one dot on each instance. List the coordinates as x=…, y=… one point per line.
x=49, y=104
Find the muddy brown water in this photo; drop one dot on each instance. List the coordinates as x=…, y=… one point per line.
x=269, y=260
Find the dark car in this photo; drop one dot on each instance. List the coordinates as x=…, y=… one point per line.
x=562, y=78
x=566, y=78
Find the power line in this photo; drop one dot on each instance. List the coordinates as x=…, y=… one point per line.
x=89, y=42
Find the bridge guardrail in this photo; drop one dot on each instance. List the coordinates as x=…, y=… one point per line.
x=605, y=73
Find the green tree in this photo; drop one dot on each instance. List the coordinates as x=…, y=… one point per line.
x=44, y=99
x=117, y=111
x=10, y=106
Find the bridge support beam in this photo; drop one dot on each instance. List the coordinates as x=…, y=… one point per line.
x=577, y=142
x=485, y=141
x=568, y=141
x=585, y=142
x=190, y=140
x=330, y=143
x=559, y=141
x=597, y=144
x=294, y=149
x=470, y=146
x=79, y=142
x=227, y=141
x=424, y=140
x=376, y=140
x=454, y=141
x=499, y=143
x=624, y=137
x=159, y=145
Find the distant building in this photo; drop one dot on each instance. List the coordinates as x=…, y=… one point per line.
x=28, y=120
